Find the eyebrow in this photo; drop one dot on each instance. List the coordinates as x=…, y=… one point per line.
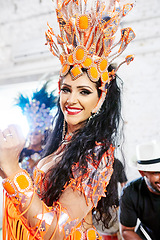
x=66, y=84
x=83, y=86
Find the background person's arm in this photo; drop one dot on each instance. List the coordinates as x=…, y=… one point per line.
x=128, y=233
x=123, y=184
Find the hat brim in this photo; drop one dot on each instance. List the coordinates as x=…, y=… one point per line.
x=154, y=167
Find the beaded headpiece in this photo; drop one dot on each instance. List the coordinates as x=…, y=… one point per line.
x=86, y=39
x=38, y=109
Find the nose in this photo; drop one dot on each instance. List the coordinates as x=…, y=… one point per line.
x=72, y=98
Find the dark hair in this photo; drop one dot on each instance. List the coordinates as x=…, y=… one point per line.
x=102, y=212
x=101, y=128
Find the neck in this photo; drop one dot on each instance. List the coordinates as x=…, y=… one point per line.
x=35, y=147
x=74, y=128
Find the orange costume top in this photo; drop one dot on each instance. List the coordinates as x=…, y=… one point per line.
x=68, y=213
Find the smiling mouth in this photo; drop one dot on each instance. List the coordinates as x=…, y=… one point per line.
x=73, y=111
x=158, y=185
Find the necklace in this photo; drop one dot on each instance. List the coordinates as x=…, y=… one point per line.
x=67, y=138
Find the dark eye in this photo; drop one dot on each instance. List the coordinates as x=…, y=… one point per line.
x=65, y=90
x=36, y=133
x=155, y=173
x=85, y=92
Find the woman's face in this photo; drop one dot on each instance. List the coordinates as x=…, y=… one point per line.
x=36, y=138
x=77, y=100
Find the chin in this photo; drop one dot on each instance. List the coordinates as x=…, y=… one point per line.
x=71, y=121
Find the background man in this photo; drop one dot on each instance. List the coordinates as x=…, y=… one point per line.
x=140, y=198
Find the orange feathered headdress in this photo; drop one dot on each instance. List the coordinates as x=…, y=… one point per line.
x=86, y=39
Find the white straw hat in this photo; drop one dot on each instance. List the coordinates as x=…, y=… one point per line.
x=148, y=156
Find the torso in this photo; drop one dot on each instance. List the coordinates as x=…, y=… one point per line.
x=48, y=162
x=143, y=205
x=42, y=167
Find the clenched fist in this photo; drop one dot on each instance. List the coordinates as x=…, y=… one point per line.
x=11, y=144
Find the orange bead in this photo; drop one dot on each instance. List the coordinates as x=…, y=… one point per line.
x=9, y=188
x=79, y=54
x=91, y=234
x=70, y=59
x=62, y=59
x=76, y=72
x=104, y=77
x=22, y=181
x=102, y=65
x=77, y=235
x=64, y=70
x=93, y=74
x=87, y=62
x=83, y=22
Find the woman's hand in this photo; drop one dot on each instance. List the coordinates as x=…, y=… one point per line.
x=11, y=144
x=2, y=174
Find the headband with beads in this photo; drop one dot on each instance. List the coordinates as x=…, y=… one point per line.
x=86, y=39
x=37, y=109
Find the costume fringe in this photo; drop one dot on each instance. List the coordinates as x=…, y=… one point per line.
x=13, y=225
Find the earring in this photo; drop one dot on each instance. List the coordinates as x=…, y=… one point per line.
x=93, y=115
x=64, y=130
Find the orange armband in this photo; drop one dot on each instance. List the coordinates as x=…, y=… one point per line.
x=19, y=187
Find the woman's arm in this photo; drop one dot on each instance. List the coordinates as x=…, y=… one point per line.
x=75, y=202
x=59, y=219
x=2, y=174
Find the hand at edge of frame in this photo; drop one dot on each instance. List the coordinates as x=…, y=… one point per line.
x=11, y=144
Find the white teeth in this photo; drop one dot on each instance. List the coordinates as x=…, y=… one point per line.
x=73, y=110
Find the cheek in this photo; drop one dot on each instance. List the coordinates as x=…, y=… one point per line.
x=94, y=101
x=37, y=139
x=62, y=101
x=40, y=138
x=91, y=104
x=155, y=178
x=152, y=179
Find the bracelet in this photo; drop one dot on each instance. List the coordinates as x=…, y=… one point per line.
x=89, y=234
x=19, y=186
